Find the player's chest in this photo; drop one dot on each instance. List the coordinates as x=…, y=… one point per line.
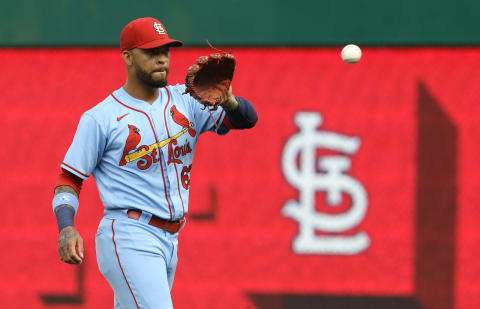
x=142, y=138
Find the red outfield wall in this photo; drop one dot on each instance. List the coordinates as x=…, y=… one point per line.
x=376, y=163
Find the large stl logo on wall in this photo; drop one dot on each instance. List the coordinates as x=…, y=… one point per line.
x=323, y=231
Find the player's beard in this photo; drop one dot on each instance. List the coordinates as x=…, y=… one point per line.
x=147, y=78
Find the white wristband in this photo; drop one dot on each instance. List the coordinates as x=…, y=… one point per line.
x=65, y=198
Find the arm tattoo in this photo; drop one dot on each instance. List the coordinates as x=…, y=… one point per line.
x=68, y=189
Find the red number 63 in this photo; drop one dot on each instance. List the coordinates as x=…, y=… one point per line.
x=185, y=176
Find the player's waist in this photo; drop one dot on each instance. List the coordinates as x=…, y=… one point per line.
x=171, y=226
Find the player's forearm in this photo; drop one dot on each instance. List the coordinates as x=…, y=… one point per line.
x=65, y=216
x=64, y=213
x=65, y=201
x=244, y=116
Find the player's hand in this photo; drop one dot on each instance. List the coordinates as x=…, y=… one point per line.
x=70, y=246
x=230, y=103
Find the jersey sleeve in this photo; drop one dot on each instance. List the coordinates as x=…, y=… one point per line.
x=86, y=149
x=204, y=120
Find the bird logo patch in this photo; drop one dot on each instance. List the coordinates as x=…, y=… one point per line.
x=131, y=143
x=174, y=153
x=148, y=154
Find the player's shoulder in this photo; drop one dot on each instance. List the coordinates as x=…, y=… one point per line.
x=180, y=88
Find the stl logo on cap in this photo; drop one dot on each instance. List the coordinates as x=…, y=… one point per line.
x=158, y=27
x=146, y=32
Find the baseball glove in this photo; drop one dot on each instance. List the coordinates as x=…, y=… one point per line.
x=209, y=79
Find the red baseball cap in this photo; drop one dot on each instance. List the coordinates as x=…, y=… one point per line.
x=145, y=32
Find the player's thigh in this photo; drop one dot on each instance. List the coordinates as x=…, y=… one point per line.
x=133, y=263
x=172, y=265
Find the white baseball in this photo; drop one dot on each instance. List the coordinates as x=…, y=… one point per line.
x=351, y=53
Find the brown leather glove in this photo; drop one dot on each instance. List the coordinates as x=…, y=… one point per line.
x=209, y=79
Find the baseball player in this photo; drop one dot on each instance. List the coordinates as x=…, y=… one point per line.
x=138, y=143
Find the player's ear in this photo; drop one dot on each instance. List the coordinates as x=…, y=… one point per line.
x=127, y=57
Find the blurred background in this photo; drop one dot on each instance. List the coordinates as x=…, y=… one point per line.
x=358, y=188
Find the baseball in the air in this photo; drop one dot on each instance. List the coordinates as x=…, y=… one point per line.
x=351, y=53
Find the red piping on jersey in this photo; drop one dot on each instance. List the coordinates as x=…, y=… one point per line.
x=220, y=117
x=75, y=169
x=168, y=134
x=120, y=264
x=156, y=140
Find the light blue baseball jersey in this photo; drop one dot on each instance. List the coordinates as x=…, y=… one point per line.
x=141, y=154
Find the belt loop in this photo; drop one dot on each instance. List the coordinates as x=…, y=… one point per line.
x=183, y=224
x=145, y=217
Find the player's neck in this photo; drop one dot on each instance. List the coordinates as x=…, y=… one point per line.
x=141, y=91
